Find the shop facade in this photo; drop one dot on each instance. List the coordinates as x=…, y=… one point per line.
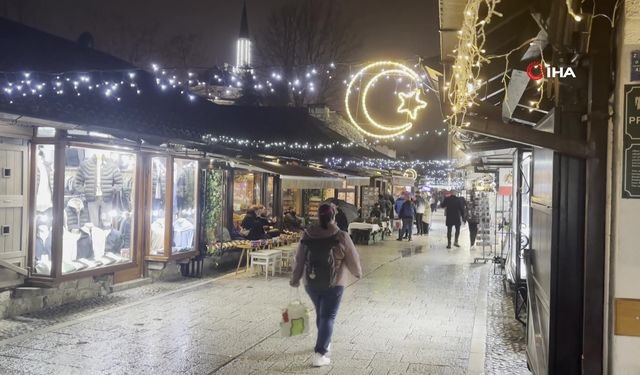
x=95, y=204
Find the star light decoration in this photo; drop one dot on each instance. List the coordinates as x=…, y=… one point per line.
x=407, y=97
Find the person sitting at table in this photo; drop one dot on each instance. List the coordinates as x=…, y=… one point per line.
x=292, y=222
x=376, y=212
x=253, y=224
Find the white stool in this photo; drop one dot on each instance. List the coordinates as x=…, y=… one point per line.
x=267, y=258
x=288, y=257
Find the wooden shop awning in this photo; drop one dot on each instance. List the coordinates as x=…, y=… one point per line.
x=297, y=176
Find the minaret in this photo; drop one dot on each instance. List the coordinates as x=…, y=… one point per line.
x=243, y=53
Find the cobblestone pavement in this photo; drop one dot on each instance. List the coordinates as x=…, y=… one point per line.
x=419, y=309
x=506, y=340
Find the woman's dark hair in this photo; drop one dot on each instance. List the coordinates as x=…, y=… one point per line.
x=326, y=213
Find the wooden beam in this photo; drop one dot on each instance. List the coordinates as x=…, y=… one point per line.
x=527, y=136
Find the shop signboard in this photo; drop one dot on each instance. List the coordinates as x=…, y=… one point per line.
x=631, y=161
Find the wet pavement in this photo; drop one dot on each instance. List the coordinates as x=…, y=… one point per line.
x=506, y=340
x=419, y=309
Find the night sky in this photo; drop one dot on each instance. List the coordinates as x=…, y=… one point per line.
x=397, y=30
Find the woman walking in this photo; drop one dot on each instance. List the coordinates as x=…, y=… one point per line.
x=325, y=257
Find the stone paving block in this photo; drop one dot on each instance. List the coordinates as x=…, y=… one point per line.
x=350, y=371
x=382, y=356
x=350, y=362
x=418, y=368
x=306, y=369
x=364, y=354
x=381, y=365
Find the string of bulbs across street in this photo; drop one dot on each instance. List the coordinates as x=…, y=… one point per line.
x=112, y=84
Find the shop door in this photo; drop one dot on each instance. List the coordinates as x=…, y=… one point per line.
x=13, y=211
x=554, y=265
x=140, y=197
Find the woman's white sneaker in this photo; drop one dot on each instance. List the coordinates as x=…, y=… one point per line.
x=320, y=360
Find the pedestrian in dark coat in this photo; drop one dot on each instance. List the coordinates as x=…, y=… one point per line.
x=454, y=212
x=406, y=213
x=341, y=220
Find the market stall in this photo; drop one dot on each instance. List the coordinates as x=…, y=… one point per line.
x=302, y=188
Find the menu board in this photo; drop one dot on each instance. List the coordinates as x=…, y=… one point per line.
x=369, y=198
x=631, y=166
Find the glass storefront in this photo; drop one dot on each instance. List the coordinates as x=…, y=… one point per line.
x=185, y=193
x=43, y=217
x=243, y=191
x=98, y=208
x=158, y=205
x=269, y=202
x=348, y=195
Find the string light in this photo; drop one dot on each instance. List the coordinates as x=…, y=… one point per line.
x=576, y=17
x=440, y=167
x=462, y=91
x=262, y=144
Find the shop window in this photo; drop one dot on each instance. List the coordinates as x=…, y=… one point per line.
x=243, y=194
x=45, y=169
x=185, y=193
x=257, y=189
x=269, y=203
x=312, y=199
x=98, y=208
x=158, y=205
x=215, y=232
x=329, y=194
x=291, y=200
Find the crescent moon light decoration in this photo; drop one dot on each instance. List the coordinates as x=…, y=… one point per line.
x=375, y=71
x=411, y=173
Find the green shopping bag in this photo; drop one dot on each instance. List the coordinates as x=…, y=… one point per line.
x=295, y=318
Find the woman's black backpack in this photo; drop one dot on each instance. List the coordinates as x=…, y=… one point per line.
x=320, y=262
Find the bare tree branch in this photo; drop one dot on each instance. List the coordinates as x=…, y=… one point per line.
x=303, y=34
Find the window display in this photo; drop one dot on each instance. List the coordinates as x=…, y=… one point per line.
x=269, y=203
x=158, y=204
x=292, y=199
x=98, y=208
x=348, y=195
x=257, y=190
x=243, y=191
x=43, y=208
x=184, y=205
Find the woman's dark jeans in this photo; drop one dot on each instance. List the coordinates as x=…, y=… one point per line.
x=326, y=302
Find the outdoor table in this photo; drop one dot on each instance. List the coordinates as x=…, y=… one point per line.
x=364, y=232
x=266, y=258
